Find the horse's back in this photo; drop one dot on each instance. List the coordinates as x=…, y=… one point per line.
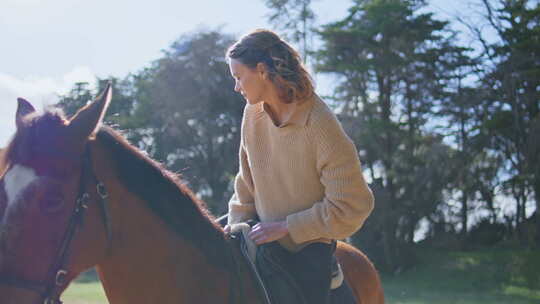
x=360, y=274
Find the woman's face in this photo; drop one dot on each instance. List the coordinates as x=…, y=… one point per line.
x=248, y=82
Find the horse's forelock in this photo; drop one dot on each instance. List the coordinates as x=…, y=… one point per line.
x=37, y=132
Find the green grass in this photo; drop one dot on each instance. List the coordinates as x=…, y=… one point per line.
x=84, y=293
x=494, y=276
x=486, y=276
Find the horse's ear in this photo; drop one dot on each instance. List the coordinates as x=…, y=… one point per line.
x=87, y=120
x=24, y=108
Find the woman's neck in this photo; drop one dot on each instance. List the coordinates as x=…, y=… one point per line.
x=278, y=110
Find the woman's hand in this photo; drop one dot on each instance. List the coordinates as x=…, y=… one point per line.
x=268, y=232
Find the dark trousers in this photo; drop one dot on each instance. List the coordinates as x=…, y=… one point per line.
x=308, y=272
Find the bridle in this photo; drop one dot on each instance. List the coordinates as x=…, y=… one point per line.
x=49, y=289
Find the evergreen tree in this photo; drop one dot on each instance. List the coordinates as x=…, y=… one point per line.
x=295, y=19
x=511, y=103
x=392, y=64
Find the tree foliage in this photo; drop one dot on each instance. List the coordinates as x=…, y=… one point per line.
x=193, y=113
x=183, y=111
x=295, y=18
x=511, y=100
x=393, y=66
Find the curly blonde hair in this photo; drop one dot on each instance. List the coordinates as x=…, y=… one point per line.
x=283, y=63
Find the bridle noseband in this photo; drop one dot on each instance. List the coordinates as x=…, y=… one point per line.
x=49, y=290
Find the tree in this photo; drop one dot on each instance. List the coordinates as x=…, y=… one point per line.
x=192, y=114
x=295, y=18
x=121, y=104
x=183, y=111
x=511, y=101
x=391, y=64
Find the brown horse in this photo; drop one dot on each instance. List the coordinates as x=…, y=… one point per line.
x=77, y=195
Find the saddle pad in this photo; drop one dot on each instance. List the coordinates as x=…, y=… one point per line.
x=245, y=228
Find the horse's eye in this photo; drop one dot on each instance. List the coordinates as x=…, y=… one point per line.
x=52, y=202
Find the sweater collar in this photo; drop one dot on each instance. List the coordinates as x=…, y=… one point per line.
x=300, y=115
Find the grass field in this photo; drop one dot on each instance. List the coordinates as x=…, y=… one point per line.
x=84, y=293
x=480, y=277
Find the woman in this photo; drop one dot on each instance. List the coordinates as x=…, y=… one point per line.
x=299, y=172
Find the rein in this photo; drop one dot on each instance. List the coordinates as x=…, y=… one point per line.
x=50, y=289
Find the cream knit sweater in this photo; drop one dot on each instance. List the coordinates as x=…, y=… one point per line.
x=305, y=171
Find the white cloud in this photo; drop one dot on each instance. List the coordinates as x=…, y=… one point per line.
x=40, y=91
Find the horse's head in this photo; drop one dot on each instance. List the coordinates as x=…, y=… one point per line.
x=42, y=221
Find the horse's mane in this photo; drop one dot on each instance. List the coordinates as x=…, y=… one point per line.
x=169, y=198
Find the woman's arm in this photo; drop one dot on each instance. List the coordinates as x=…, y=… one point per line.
x=241, y=204
x=347, y=198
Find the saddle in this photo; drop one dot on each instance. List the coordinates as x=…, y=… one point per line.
x=247, y=253
x=247, y=278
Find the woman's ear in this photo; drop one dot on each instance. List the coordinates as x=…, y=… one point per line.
x=262, y=71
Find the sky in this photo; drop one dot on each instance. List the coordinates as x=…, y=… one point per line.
x=48, y=45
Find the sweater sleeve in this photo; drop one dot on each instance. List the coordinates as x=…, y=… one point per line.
x=241, y=204
x=347, y=200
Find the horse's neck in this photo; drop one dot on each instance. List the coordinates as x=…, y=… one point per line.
x=149, y=263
